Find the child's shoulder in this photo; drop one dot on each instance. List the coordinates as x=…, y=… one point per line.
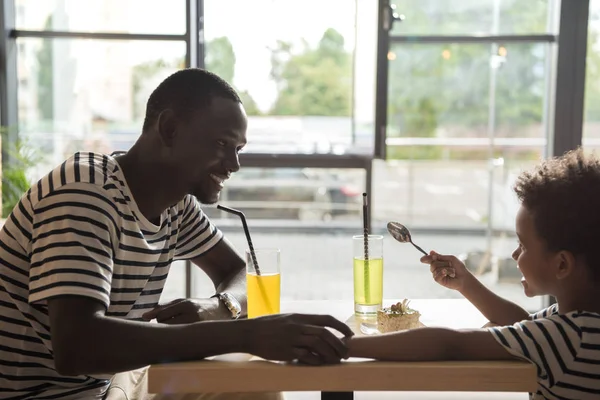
x=551, y=321
x=546, y=312
x=587, y=321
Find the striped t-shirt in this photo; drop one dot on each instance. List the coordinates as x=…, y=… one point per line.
x=78, y=231
x=565, y=348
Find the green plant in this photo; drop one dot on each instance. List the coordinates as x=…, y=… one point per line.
x=21, y=157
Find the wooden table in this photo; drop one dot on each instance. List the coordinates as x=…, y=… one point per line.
x=241, y=373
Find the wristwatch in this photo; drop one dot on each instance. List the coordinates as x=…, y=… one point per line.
x=231, y=303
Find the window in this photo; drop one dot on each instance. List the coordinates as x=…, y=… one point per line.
x=88, y=94
x=591, y=127
x=83, y=92
x=113, y=16
x=467, y=100
x=473, y=17
x=466, y=111
x=299, y=80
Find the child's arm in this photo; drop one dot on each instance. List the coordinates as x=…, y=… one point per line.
x=550, y=343
x=429, y=344
x=496, y=309
x=450, y=272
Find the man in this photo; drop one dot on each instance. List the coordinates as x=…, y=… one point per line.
x=86, y=252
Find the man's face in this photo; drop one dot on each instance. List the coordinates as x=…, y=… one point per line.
x=533, y=259
x=206, y=146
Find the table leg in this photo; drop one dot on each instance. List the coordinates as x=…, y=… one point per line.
x=337, y=395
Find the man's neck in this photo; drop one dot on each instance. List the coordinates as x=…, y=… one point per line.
x=147, y=185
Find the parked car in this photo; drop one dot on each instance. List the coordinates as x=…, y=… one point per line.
x=289, y=193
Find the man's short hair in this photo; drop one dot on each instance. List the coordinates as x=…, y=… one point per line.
x=563, y=196
x=185, y=91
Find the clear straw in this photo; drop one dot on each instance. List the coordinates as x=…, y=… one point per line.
x=366, y=249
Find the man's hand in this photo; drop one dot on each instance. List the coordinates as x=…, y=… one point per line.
x=298, y=337
x=187, y=311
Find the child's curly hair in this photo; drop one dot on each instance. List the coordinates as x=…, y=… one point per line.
x=563, y=196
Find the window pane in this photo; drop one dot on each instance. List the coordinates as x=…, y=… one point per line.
x=474, y=17
x=297, y=79
x=303, y=195
x=451, y=90
x=442, y=178
x=591, y=123
x=123, y=16
x=88, y=94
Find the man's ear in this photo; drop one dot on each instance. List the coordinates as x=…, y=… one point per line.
x=167, y=127
x=565, y=264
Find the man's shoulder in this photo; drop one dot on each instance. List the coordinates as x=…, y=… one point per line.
x=83, y=171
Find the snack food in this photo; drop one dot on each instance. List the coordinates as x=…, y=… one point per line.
x=397, y=317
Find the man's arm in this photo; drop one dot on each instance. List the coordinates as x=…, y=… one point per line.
x=226, y=269
x=85, y=341
x=429, y=344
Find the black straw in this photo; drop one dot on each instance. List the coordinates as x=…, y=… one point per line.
x=246, y=231
x=366, y=247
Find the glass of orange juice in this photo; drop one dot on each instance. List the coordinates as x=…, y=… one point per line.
x=264, y=283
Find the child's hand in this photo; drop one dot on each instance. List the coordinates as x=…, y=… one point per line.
x=448, y=271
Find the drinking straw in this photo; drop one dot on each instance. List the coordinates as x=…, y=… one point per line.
x=252, y=253
x=246, y=232
x=366, y=249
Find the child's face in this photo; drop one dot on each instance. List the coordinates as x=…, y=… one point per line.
x=532, y=257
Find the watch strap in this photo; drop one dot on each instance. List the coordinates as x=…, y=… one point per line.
x=231, y=303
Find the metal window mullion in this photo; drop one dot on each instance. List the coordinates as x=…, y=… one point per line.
x=552, y=24
x=19, y=33
x=8, y=77
x=570, y=76
x=381, y=84
x=303, y=161
x=190, y=29
x=434, y=39
x=190, y=61
x=200, y=45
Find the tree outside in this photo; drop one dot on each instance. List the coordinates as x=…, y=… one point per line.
x=444, y=90
x=313, y=81
x=220, y=59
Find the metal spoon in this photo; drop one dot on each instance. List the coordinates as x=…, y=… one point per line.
x=402, y=234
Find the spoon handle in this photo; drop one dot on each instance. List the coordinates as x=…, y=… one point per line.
x=420, y=249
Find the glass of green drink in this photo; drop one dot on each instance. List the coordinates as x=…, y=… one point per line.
x=368, y=274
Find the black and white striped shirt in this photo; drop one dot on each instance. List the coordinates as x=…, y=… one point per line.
x=565, y=349
x=79, y=232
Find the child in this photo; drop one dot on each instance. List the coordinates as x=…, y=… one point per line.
x=558, y=230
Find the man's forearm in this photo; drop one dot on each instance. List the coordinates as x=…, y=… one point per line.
x=114, y=345
x=235, y=284
x=496, y=309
